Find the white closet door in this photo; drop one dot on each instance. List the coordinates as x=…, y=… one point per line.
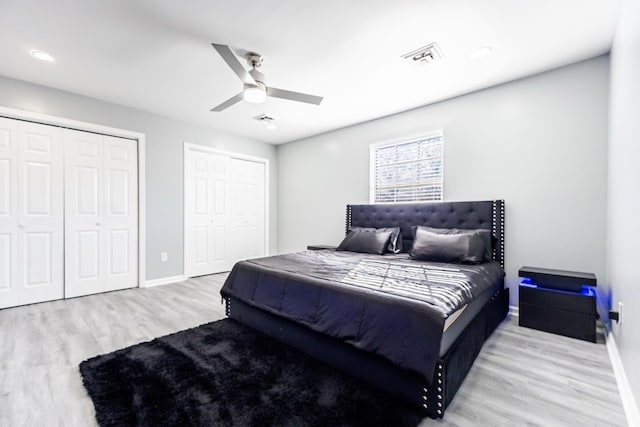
x=84, y=236
x=8, y=213
x=206, y=213
x=219, y=224
x=248, y=208
x=101, y=218
x=120, y=213
x=40, y=218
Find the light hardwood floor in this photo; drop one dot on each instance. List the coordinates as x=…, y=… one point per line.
x=522, y=376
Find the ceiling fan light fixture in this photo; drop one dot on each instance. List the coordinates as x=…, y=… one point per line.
x=254, y=94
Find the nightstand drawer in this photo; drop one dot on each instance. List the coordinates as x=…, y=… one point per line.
x=551, y=298
x=558, y=321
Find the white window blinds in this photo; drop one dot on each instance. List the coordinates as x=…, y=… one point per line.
x=407, y=171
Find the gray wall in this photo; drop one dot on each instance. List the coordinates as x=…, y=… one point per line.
x=540, y=143
x=624, y=190
x=164, y=164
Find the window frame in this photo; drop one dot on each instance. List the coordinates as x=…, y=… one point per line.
x=397, y=141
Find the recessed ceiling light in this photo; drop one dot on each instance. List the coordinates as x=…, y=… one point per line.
x=480, y=52
x=271, y=126
x=42, y=56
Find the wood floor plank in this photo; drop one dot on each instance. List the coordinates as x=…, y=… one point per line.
x=522, y=377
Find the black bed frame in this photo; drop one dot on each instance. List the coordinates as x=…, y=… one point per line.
x=452, y=368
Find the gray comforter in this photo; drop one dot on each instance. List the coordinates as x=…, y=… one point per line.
x=389, y=305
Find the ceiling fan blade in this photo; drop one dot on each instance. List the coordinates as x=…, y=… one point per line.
x=294, y=96
x=231, y=60
x=229, y=102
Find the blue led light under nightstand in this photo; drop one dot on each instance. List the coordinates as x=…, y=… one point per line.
x=586, y=290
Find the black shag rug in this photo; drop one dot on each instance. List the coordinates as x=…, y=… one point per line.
x=225, y=374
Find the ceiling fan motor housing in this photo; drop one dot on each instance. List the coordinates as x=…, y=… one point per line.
x=254, y=59
x=257, y=76
x=255, y=93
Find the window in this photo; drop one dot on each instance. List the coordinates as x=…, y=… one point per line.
x=407, y=171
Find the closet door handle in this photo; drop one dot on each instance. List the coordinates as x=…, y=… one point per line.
x=97, y=224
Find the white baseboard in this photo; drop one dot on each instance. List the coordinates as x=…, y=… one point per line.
x=164, y=281
x=628, y=402
x=514, y=310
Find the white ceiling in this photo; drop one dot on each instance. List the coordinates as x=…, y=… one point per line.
x=156, y=54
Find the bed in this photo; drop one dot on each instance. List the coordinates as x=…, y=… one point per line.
x=411, y=328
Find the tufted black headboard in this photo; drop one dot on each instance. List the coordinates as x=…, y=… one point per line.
x=471, y=215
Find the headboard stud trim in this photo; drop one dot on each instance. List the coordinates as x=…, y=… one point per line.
x=498, y=230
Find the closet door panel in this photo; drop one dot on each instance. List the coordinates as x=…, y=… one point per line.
x=206, y=213
x=37, y=195
x=220, y=258
x=101, y=213
x=121, y=213
x=40, y=216
x=8, y=213
x=119, y=244
x=84, y=256
x=88, y=255
x=37, y=257
x=87, y=190
x=7, y=180
x=248, y=208
x=7, y=267
x=199, y=212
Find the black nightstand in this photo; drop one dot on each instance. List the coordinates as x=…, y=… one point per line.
x=558, y=301
x=320, y=247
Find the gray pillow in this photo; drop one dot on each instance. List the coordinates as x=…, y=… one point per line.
x=369, y=242
x=395, y=242
x=487, y=236
x=456, y=248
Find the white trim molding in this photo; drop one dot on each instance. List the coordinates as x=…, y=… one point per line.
x=47, y=119
x=164, y=281
x=514, y=311
x=626, y=394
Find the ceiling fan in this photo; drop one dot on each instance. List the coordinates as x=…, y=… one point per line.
x=255, y=89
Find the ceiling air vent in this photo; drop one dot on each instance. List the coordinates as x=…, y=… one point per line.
x=426, y=54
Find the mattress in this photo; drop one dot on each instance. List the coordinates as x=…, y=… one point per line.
x=365, y=300
x=456, y=323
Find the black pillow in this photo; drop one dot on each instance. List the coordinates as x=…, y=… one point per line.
x=487, y=236
x=395, y=242
x=462, y=247
x=369, y=242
